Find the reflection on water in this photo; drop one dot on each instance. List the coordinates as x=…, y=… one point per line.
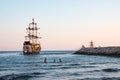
x=15, y=66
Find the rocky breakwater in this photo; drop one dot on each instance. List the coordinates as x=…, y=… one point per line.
x=103, y=51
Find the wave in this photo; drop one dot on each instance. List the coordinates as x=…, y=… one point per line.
x=74, y=64
x=103, y=78
x=22, y=76
x=111, y=70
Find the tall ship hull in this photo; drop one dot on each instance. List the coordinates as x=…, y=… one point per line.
x=31, y=44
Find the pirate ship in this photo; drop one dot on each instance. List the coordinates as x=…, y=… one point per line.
x=31, y=44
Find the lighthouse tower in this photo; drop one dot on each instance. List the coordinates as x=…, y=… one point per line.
x=91, y=44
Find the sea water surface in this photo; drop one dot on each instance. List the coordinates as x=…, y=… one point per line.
x=16, y=66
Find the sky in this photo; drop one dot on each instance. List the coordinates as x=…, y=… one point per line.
x=64, y=24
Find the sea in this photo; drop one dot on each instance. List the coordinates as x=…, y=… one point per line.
x=57, y=65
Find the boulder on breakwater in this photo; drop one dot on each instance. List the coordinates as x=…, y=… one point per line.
x=103, y=51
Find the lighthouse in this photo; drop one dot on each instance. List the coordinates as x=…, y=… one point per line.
x=91, y=44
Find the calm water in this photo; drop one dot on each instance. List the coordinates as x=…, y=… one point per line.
x=15, y=66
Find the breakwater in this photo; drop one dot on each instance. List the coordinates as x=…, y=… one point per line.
x=103, y=51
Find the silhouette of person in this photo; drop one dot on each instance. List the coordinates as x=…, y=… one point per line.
x=60, y=60
x=54, y=60
x=45, y=60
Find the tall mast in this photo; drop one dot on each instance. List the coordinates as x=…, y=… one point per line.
x=32, y=32
x=33, y=24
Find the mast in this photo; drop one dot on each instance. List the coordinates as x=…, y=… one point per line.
x=32, y=32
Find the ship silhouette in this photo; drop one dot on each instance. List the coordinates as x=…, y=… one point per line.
x=31, y=44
